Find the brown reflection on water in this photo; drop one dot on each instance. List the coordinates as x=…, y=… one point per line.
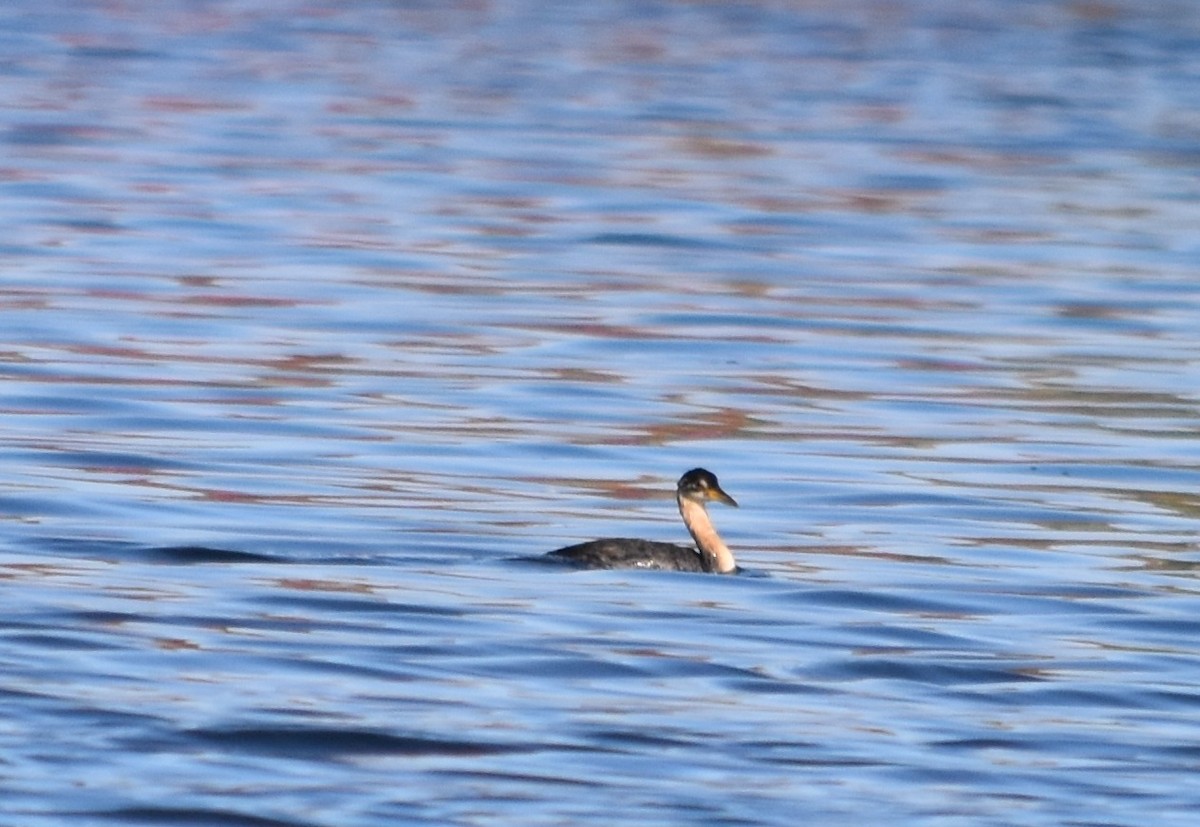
x=314, y=585
x=722, y=423
x=717, y=148
x=1183, y=503
x=1171, y=558
x=1101, y=402
x=639, y=489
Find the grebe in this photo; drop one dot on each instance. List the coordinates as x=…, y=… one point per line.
x=693, y=490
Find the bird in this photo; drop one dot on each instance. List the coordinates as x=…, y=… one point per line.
x=694, y=490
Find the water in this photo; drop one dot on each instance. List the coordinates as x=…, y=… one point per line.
x=318, y=318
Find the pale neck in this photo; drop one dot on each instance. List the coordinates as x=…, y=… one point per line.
x=717, y=555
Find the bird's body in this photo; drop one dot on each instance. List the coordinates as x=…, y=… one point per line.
x=694, y=489
x=625, y=553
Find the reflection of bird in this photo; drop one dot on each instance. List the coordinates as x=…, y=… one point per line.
x=694, y=489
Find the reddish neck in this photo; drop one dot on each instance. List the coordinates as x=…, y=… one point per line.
x=717, y=555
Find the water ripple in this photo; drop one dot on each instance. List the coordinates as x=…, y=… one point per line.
x=322, y=321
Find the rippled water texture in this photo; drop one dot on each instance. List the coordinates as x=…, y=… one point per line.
x=317, y=318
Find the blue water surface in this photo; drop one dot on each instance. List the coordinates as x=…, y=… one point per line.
x=321, y=320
